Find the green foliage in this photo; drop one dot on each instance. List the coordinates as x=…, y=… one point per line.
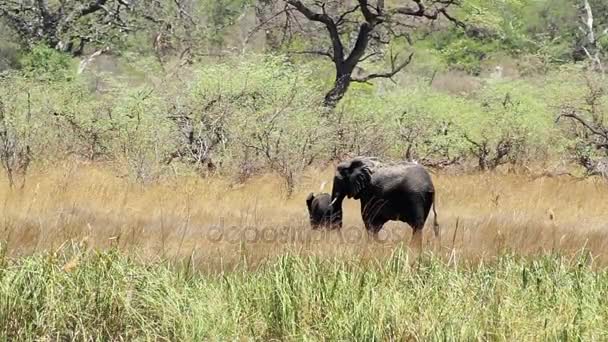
x=585, y=113
x=464, y=53
x=76, y=295
x=550, y=29
x=419, y=122
x=261, y=113
x=221, y=14
x=64, y=119
x=416, y=121
x=48, y=64
x=515, y=111
x=269, y=110
x=492, y=27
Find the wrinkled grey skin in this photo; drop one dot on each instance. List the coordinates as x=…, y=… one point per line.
x=320, y=213
x=387, y=192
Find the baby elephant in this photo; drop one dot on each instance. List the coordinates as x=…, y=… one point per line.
x=320, y=213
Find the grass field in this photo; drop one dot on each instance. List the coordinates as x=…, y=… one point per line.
x=88, y=255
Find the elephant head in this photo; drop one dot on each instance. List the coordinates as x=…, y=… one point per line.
x=351, y=180
x=320, y=213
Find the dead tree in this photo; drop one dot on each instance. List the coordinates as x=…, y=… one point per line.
x=283, y=149
x=374, y=24
x=284, y=154
x=198, y=141
x=591, y=151
x=490, y=156
x=590, y=47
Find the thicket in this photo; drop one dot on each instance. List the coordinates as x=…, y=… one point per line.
x=153, y=111
x=257, y=113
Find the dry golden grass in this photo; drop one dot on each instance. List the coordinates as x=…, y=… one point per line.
x=480, y=216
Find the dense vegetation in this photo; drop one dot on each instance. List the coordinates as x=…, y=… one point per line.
x=480, y=94
x=154, y=96
x=91, y=296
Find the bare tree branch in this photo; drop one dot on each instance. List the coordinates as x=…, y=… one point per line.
x=371, y=18
x=56, y=24
x=264, y=23
x=329, y=24
x=364, y=58
x=594, y=54
x=390, y=74
x=342, y=17
x=422, y=11
x=360, y=46
x=601, y=132
x=589, y=22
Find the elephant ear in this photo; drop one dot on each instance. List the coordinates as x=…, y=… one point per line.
x=309, y=199
x=359, y=175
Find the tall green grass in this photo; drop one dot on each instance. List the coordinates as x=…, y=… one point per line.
x=111, y=296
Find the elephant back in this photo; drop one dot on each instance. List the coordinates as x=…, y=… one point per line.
x=411, y=177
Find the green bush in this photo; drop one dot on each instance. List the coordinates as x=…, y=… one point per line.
x=45, y=63
x=261, y=113
x=514, y=113
x=268, y=111
x=465, y=54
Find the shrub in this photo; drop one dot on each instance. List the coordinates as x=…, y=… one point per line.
x=513, y=124
x=45, y=63
x=262, y=113
x=270, y=111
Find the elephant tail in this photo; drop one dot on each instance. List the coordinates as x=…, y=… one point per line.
x=435, y=222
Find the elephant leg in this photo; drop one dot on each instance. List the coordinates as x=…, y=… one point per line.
x=372, y=230
x=416, y=242
x=372, y=218
x=416, y=218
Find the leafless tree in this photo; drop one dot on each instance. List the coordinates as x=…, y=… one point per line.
x=91, y=137
x=199, y=139
x=375, y=24
x=591, y=48
x=490, y=156
x=420, y=145
x=283, y=149
x=287, y=158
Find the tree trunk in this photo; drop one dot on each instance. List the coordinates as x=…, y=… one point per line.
x=591, y=50
x=336, y=94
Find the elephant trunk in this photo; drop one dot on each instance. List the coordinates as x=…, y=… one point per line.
x=336, y=205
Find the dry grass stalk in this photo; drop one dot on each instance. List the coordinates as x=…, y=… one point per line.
x=217, y=226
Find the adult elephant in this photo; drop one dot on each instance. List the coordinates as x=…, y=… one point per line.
x=387, y=192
